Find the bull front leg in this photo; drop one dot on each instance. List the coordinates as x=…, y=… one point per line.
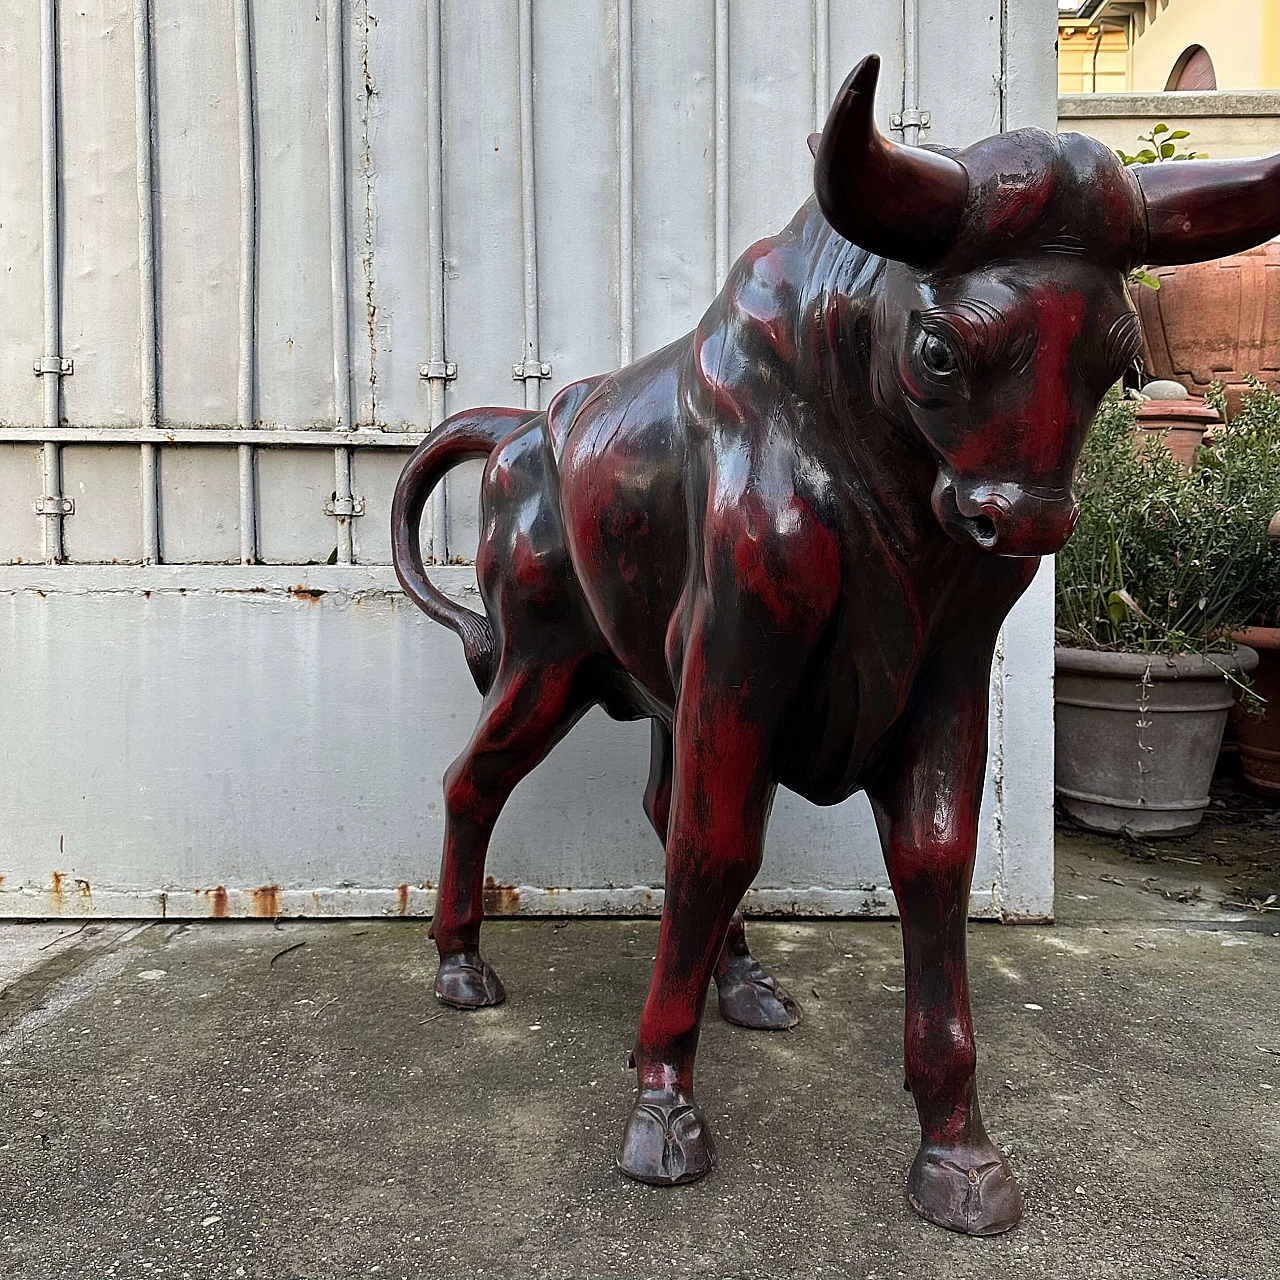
x=926, y=804
x=746, y=993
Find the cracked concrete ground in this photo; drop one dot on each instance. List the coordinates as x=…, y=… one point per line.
x=233, y=1099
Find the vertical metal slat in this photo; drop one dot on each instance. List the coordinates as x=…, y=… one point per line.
x=248, y=278
x=910, y=72
x=821, y=61
x=147, y=349
x=528, y=213
x=344, y=506
x=437, y=369
x=49, y=367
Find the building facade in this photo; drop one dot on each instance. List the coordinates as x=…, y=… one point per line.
x=1153, y=46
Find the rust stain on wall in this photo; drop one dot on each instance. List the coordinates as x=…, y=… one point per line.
x=266, y=900
x=55, y=889
x=500, y=899
x=218, y=902
x=402, y=894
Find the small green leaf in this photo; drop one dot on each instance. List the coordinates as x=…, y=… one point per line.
x=1179, y=133
x=333, y=557
x=1160, y=128
x=1166, y=150
x=1138, y=276
x=1146, y=156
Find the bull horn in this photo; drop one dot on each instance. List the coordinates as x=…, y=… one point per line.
x=895, y=201
x=1202, y=209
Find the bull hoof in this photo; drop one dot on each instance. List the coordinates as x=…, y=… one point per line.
x=466, y=981
x=966, y=1189
x=750, y=997
x=667, y=1140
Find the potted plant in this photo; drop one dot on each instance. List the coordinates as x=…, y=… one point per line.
x=1165, y=564
x=1258, y=729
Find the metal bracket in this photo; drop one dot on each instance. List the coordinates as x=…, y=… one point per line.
x=58, y=365
x=346, y=507
x=909, y=118
x=530, y=368
x=51, y=506
x=445, y=370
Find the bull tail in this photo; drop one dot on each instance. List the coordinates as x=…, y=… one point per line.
x=473, y=434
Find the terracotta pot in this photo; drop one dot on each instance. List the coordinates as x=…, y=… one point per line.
x=1184, y=423
x=1259, y=736
x=1214, y=320
x=1136, y=737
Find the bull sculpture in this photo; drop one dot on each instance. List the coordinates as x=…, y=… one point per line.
x=790, y=539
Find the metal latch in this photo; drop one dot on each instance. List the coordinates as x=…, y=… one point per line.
x=51, y=506
x=530, y=368
x=347, y=507
x=63, y=367
x=442, y=369
x=908, y=119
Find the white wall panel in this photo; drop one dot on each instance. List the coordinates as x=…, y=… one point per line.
x=295, y=346
x=390, y=193
x=199, y=506
x=293, y=486
x=576, y=175
x=770, y=117
x=105, y=484
x=100, y=208
x=197, y=198
x=540, y=175
x=674, y=122
x=22, y=315
x=20, y=475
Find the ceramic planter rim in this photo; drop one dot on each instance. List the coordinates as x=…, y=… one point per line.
x=1258, y=637
x=1156, y=665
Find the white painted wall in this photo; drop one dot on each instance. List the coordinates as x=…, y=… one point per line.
x=176, y=721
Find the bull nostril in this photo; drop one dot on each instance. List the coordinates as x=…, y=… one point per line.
x=983, y=529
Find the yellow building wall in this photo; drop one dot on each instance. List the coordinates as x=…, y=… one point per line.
x=1241, y=36
x=1076, y=61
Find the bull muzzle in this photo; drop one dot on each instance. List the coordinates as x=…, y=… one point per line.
x=1005, y=519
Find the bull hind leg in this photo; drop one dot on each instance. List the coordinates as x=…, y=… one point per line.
x=747, y=994
x=528, y=709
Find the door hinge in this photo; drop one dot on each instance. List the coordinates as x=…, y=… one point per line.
x=444, y=370
x=530, y=368
x=59, y=365
x=347, y=507
x=54, y=506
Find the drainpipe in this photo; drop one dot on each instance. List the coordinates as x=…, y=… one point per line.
x=531, y=368
x=51, y=367
x=345, y=506
x=438, y=371
x=143, y=115
x=912, y=119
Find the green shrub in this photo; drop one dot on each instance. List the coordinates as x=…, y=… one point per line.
x=1166, y=561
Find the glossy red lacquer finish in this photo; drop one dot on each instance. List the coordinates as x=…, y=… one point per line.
x=790, y=539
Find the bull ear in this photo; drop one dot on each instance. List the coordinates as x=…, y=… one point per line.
x=1202, y=209
x=895, y=201
x=813, y=140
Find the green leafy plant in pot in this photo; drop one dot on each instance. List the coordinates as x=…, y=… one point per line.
x=1258, y=731
x=1164, y=566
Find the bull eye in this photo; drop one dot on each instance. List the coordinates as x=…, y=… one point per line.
x=937, y=356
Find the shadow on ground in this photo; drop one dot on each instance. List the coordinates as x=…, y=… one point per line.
x=229, y=1099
